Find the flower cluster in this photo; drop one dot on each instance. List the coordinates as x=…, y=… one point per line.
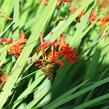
x=104, y=20
x=64, y=51
x=60, y=51
x=17, y=47
x=103, y=5
x=18, y=44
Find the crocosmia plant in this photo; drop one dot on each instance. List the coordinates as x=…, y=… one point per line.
x=54, y=54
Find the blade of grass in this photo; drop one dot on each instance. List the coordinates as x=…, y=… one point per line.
x=6, y=8
x=7, y=28
x=40, y=93
x=92, y=69
x=29, y=89
x=24, y=15
x=16, y=19
x=92, y=102
x=54, y=105
x=68, y=93
x=33, y=20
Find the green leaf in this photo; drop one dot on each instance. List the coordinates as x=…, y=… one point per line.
x=92, y=102
x=54, y=104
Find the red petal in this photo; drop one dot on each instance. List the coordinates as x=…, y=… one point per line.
x=92, y=16
x=10, y=40
x=22, y=37
x=3, y=40
x=43, y=46
x=67, y=0
x=105, y=2
x=41, y=38
x=16, y=49
x=38, y=63
x=57, y=43
x=59, y=63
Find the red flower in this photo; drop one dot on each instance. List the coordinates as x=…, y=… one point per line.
x=67, y=1
x=92, y=16
x=3, y=40
x=53, y=54
x=59, y=62
x=69, y=54
x=62, y=42
x=17, y=47
x=59, y=50
x=9, y=41
x=64, y=50
x=105, y=2
x=22, y=38
x=43, y=45
x=104, y=20
x=38, y=63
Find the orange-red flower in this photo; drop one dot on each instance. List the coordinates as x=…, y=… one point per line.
x=69, y=54
x=56, y=60
x=22, y=38
x=104, y=20
x=92, y=16
x=105, y=2
x=67, y=1
x=63, y=49
x=17, y=47
x=59, y=49
x=9, y=41
x=43, y=45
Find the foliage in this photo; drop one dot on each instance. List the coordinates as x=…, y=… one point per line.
x=54, y=54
